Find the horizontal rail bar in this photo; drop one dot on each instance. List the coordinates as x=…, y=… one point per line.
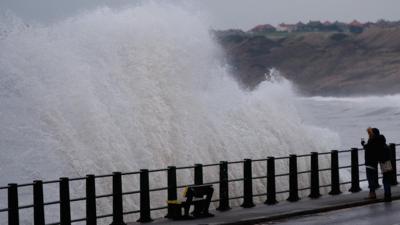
x=131, y=192
x=259, y=160
x=103, y=176
x=131, y=212
x=325, y=169
x=281, y=192
x=282, y=157
x=158, y=189
x=77, y=178
x=105, y=216
x=303, y=189
x=259, y=177
x=51, y=182
x=78, y=199
x=215, y=200
x=130, y=173
x=184, y=167
x=235, y=180
x=78, y=220
x=236, y=162
x=51, y=203
x=237, y=197
x=348, y=182
x=212, y=164
x=212, y=182
x=25, y=185
x=344, y=167
x=324, y=153
x=304, y=155
x=282, y=175
x=306, y=171
x=184, y=185
x=25, y=206
x=343, y=151
x=104, y=196
x=261, y=194
x=157, y=170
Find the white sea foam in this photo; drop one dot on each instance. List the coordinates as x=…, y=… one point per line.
x=350, y=116
x=144, y=87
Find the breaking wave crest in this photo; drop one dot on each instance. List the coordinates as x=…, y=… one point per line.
x=142, y=87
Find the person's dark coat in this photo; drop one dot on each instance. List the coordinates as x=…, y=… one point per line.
x=372, y=150
x=376, y=149
x=384, y=152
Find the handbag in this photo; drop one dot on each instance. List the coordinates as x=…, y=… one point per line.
x=386, y=166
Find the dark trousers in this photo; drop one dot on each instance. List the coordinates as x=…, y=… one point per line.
x=372, y=177
x=386, y=184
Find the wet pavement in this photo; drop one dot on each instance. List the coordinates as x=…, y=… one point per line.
x=262, y=214
x=373, y=214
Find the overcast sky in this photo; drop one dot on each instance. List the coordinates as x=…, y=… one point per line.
x=224, y=14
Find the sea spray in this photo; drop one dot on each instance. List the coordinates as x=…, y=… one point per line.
x=143, y=87
x=350, y=116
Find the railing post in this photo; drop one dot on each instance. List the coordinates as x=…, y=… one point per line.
x=65, y=207
x=172, y=185
x=271, y=189
x=118, y=217
x=13, y=213
x=314, y=176
x=293, y=182
x=91, y=200
x=223, y=187
x=198, y=174
x=335, y=182
x=392, y=148
x=247, y=185
x=144, y=197
x=355, y=177
x=38, y=207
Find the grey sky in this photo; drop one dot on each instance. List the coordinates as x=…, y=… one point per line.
x=224, y=14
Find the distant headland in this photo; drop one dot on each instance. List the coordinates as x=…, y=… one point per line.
x=321, y=57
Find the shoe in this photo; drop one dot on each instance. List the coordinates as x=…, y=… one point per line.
x=388, y=198
x=372, y=196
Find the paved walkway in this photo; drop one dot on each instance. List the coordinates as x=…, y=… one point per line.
x=371, y=214
x=263, y=213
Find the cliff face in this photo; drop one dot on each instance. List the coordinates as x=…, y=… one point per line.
x=322, y=63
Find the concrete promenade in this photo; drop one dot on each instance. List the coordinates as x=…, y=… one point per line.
x=283, y=210
x=371, y=214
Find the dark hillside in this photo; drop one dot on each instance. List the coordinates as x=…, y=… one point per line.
x=320, y=63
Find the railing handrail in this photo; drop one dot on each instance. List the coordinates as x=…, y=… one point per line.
x=178, y=168
x=200, y=166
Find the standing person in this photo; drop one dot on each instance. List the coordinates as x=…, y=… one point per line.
x=384, y=156
x=371, y=161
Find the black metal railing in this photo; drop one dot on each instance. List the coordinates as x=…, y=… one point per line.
x=118, y=213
